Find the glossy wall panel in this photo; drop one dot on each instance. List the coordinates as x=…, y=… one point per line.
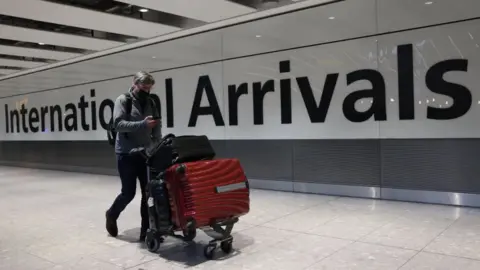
x=448, y=57
x=315, y=92
x=324, y=100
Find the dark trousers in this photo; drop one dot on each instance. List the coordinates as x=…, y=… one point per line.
x=130, y=168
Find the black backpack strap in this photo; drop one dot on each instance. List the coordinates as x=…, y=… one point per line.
x=156, y=107
x=155, y=103
x=128, y=104
x=111, y=133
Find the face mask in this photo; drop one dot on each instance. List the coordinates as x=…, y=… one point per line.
x=142, y=95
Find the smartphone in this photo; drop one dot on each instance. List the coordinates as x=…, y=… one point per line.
x=156, y=118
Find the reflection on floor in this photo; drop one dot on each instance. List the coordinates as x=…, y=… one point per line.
x=55, y=220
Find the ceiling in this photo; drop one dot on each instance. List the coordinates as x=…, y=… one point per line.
x=39, y=32
x=321, y=21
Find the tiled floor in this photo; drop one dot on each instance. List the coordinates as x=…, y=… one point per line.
x=55, y=220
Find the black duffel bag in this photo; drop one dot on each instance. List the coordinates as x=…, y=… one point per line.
x=172, y=149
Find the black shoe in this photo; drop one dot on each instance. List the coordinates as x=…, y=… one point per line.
x=111, y=225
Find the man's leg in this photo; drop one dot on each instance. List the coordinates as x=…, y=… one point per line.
x=143, y=178
x=127, y=171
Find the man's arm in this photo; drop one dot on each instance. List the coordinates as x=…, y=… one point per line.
x=120, y=115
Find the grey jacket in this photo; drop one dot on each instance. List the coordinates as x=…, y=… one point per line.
x=139, y=135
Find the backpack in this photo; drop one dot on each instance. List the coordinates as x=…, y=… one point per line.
x=154, y=103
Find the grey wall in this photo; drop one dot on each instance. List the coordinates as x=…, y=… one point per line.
x=439, y=165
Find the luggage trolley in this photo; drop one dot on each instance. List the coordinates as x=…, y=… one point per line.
x=159, y=158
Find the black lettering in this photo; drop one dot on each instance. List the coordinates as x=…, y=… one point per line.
x=71, y=121
x=234, y=94
x=105, y=103
x=14, y=121
x=93, y=110
x=285, y=94
x=461, y=95
x=259, y=92
x=23, y=112
x=406, y=94
x=58, y=110
x=33, y=120
x=7, y=128
x=378, y=108
x=204, y=85
x=169, y=102
x=43, y=112
x=317, y=114
x=82, y=105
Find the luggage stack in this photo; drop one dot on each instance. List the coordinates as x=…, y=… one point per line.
x=189, y=189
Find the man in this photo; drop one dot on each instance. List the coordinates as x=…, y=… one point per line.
x=138, y=129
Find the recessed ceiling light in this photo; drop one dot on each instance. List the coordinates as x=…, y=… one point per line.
x=258, y=36
x=143, y=10
x=154, y=57
x=428, y=3
x=332, y=18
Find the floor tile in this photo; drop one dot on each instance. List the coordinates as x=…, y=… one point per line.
x=55, y=220
x=365, y=257
x=429, y=261
x=304, y=220
x=408, y=233
x=341, y=226
x=21, y=260
x=125, y=256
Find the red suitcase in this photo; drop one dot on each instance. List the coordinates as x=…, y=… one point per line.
x=207, y=192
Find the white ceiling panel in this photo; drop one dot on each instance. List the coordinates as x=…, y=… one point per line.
x=38, y=53
x=19, y=63
x=83, y=18
x=395, y=15
x=52, y=38
x=7, y=71
x=203, y=10
x=186, y=48
x=327, y=23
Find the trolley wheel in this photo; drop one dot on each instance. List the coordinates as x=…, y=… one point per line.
x=153, y=243
x=227, y=246
x=190, y=231
x=189, y=234
x=209, y=251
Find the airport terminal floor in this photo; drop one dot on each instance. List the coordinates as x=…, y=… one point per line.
x=55, y=220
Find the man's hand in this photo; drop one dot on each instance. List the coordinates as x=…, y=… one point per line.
x=151, y=123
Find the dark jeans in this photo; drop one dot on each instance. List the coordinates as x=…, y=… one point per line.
x=130, y=168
